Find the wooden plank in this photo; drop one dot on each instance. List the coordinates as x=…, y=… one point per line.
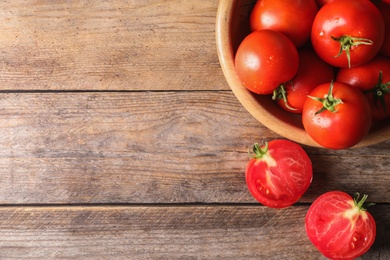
x=109, y=45
x=152, y=147
x=195, y=232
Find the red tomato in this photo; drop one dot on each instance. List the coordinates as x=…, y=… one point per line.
x=264, y=60
x=312, y=72
x=384, y=8
x=348, y=33
x=373, y=78
x=339, y=226
x=279, y=173
x=336, y=115
x=292, y=18
x=321, y=3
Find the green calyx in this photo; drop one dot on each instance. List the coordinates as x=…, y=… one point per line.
x=361, y=203
x=280, y=93
x=328, y=101
x=346, y=42
x=257, y=151
x=380, y=91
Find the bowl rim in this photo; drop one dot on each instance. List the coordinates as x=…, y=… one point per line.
x=248, y=99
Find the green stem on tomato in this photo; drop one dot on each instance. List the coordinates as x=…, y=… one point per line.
x=380, y=91
x=328, y=101
x=259, y=152
x=361, y=203
x=281, y=93
x=346, y=42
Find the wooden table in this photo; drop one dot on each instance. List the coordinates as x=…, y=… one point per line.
x=120, y=139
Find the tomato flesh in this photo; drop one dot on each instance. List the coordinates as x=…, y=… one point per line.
x=281, y=176
x=338, y=227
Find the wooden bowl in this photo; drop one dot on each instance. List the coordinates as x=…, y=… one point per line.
x=231, y=28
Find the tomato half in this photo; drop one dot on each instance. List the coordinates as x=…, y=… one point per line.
x=292, y=18
x=339, y=226
x=348, y=33
x=264, y=60
x=279, y=173
x=312, y=72
x=336, y=115
x=373, y=78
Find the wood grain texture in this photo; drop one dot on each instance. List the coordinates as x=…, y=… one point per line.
x=151, y=147
x=197, y=232
x=109, y=45
x=120, y=139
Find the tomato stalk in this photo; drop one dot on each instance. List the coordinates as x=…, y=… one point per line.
x=328, y=101
x=380, y=90
x=346, y=42
x=361, y=203
x=281, y=93
x=259, y=152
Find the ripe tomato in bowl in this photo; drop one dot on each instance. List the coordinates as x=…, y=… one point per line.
x=232, y=26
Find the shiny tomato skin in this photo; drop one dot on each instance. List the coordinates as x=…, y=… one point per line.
x=365, y=77
x=292, y=18
x=264, y=60
x=338, y=227
x=321, y=3
x=378, y=112
x=312, y=72
x=281, y=176
x=358, y=18
x=341, y=129
x=384, y=8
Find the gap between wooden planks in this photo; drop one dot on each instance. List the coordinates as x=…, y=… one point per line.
x=162, y=232
x=151, y=147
